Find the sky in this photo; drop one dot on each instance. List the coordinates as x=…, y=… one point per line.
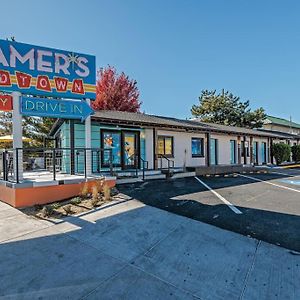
x=175, y=49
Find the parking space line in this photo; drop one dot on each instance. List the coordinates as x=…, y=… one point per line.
x=230, y=205
x=271, y=183
x=279, y=173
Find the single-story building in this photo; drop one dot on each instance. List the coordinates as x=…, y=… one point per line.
x=136, y=139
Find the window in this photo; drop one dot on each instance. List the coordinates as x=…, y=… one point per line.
x=165, y=146
x=197, y=147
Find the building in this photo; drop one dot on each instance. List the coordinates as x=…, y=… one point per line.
x=133, y=140
x=283, y=127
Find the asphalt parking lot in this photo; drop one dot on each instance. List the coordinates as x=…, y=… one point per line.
x=265, y=206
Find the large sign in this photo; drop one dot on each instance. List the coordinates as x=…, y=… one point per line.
x=64, y=109
x=6, y=103
x=44, y=71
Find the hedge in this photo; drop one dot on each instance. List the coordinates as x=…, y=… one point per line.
x=281, y=152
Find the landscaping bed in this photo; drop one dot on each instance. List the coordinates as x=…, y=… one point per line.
x=89, y=198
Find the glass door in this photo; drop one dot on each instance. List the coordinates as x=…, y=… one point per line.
x=213, y=151
x=111, y=142
x=233, y=152
x=130, y=150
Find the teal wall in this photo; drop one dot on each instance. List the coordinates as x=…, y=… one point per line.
x=79, y=142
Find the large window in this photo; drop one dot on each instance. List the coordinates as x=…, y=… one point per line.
x=165, y=146
x=111, y=140
x=197, y=147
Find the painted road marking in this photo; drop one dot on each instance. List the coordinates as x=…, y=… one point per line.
x=274, y=184
x=230, y=205
x=280, y=173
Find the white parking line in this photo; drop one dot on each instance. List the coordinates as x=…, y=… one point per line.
x=230, y=205
x=280, y=173
x=267, y=182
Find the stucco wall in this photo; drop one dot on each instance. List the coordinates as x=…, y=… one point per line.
x=183, y=148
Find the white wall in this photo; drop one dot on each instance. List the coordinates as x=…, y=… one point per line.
x=183, y=148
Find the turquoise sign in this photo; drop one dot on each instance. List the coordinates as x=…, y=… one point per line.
x=63, y=109
x=42, y=71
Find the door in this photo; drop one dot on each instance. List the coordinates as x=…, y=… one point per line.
x=130, y=150
x=111, y=145
x=264, y=152
x=233, y=152
x=213, y=151
x=255, y=151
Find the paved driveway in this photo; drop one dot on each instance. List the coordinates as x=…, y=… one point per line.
x=263, y=206
x=129, y=250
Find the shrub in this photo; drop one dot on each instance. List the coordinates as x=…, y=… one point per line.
x=68, y=209
x=47, y=211
x=296, y=153
x=281, y=152
x=75, y=201
x=95, y=195
x=106, y=192
x=84, y=191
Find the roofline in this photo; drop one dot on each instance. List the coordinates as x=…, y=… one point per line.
x=208, y=129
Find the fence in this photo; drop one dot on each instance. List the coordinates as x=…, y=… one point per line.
x=36, y=162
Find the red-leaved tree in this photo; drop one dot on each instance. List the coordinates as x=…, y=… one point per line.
x=116, y=92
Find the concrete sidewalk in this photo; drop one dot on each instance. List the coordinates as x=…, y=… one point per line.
x=132, y=251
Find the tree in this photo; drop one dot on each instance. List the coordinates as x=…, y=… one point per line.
x=227, y=109
x=35, y=128
x=296, y=153
x=116, y=92
x=281, y=152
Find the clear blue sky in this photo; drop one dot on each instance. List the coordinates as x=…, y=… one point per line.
x=174, y=49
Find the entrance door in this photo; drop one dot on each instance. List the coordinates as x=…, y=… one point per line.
x=130, y=149
x=264, y=152
x=255, y=153
x=233, y=152
x=213, y=151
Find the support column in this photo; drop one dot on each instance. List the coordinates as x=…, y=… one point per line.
x=245, y=152
x=17, y=137
x=88, y=142
x=239, y=150
x=155, y=161
x=207, y=149
x=251, y=150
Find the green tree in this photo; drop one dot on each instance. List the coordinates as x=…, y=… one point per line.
x=34, y=128
x=296, y=153
x=281, y=152
x=227, y=109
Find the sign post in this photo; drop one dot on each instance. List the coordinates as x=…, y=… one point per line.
x=17, y=138
x=88, y=144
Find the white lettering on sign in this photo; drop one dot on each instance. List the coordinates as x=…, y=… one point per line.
x=3, y=101
x=43, y=65
x=81, y=65
x=38, y=61
x=61, y=67
x=3, y=60
x=14, y=55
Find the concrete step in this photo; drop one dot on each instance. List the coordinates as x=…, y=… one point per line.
x=183, y=175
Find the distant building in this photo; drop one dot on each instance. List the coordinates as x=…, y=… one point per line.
x=281, y=125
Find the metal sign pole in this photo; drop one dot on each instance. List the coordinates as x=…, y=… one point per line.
x=88, y=144
x=17, y=137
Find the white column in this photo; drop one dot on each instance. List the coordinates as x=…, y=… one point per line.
x=88, y=142
x=17, y=136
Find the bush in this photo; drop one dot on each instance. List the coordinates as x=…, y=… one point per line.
x=281, y=152
x=296, y=153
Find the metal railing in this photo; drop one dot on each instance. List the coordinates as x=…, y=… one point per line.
x=50, y=162
x=137, y=161
x=170, y=162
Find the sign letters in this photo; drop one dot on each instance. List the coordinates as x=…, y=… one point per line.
x=44, y=71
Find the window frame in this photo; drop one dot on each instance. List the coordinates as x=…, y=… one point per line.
x=202, y=147
x=164, y=137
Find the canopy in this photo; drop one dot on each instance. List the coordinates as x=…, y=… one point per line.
x=9, y=138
